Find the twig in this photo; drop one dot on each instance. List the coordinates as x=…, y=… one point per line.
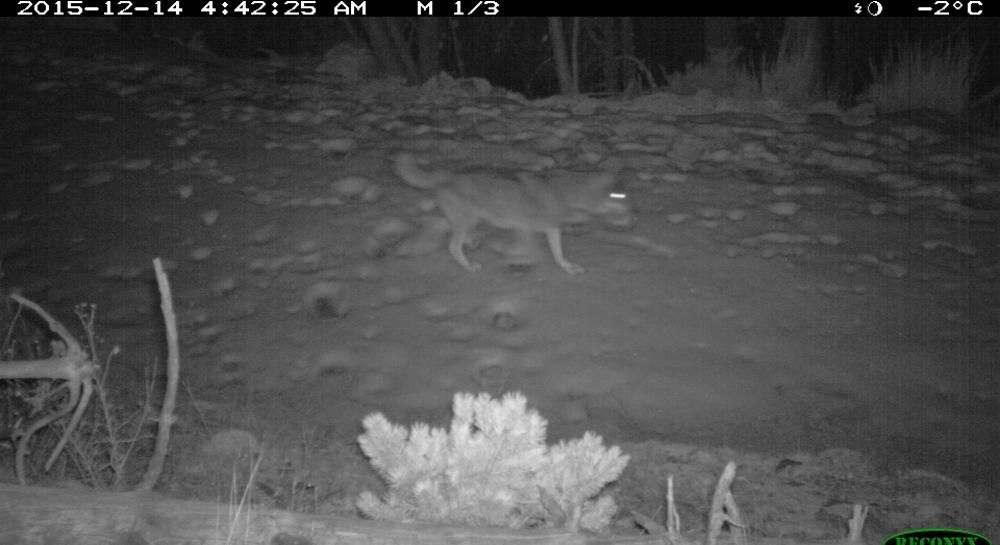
x=150, y=384
x=22, y=444
x=81, y=407
x=857, y=523
x=648, y=524
x=245, y=501
x=736, y=525
x=167, y=417
x=10, y=328
x=673, y=519
x=721, y=500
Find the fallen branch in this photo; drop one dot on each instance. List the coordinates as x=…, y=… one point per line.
x=48, y=516
x=70, y=364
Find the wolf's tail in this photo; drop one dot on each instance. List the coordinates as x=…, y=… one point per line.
x=406, y=167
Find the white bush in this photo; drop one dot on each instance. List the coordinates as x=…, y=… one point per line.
x=492, y=468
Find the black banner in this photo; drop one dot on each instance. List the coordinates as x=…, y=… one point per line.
x=488, y=8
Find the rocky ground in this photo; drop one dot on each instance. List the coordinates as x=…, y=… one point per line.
x=811, y=288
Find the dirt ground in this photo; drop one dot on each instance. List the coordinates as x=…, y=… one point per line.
x=802, y=284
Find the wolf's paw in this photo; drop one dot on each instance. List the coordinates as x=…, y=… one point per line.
x=573, y=268
x=473, y=266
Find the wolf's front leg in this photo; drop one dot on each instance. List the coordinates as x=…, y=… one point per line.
x=554, y=237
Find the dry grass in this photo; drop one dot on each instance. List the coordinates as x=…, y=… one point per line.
x=923, y=76
x=720, y=73
x=242, y=506
x=788, y=77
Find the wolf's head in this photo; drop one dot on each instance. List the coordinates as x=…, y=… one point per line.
x=598, y=194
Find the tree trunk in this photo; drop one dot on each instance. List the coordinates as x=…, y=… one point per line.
x=428, y=59
x=804, y=34
x=627, y=48
x=564, y=73
x=607, y=32
x=377, y=29
x=720, y=33
x=402, y=48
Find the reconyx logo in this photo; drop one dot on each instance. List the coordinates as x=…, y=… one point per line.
x=936, y=536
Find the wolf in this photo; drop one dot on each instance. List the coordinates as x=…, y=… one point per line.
x=524, y=203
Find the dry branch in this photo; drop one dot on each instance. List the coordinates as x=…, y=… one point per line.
x=723, y=510
x=167, y=417
x=857, y=524
x=70, y=364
